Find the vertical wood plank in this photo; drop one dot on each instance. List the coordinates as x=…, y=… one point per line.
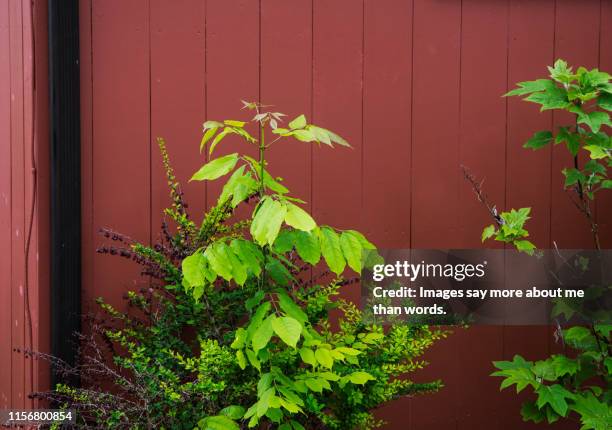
x=482, y=128
x=337, y=105
x=531, y=40
x=435, y=162
x=604, y=205
x=121, y=135
x=18, y=204
x=436, y=178
x=30, y=232
x=528, y=172
x=604, y=199
x=39, y=254
x=577, y=42
x=286, y=83
x=232, y=70
x=177, y=101
x=387, y=122
x=387, y=113
x=5, y=210
x=337, y=174
x=482, y=145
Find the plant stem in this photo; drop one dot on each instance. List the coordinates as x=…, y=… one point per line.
x=586, y=207
x=262, y=192
x=262, y=149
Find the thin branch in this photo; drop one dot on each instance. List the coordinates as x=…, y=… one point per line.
x=481, y=195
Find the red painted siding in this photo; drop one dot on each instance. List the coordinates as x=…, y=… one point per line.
x=24, y=204
x=414, y=85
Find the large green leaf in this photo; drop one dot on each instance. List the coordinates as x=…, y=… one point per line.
x=365, y=243
x=564, y=366
x=335, y=138
x=252, y=356
x=594, y=414
x=218, y=422
x=530, y=412
x=284, y=241
x=218, y=139
x=234, y=412
x=257, y=318
x=206, y=137
x=308, y=356
x=239, y=339
x=539, y=140
x=321, y=135
x=278, y=272
x=554, y=395
x=595, y=120
x=551, y=98
x=239, y=186
x=517, y=362
x=234, y=123
x=239, y=271
x=249, y=254
x=267, y=221
x=299, y=122
x=605, y=101
x=488, y=232
x=572, y=176
x=351, y=248
x=219, y=260
x=216, y=168
x=580, y=338
x=307, y=246
x=572, y=140
x=360, y=378
x=317, y=384
x=331, y=250
x=288, y=329
x=528, y=87
x=242, y=362
x=263, y=333
x=264, y=383
x=323, y=356
x=192, y=267
x=291, y=308
x=298, y=218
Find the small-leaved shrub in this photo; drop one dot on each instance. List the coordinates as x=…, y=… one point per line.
x=235, y=329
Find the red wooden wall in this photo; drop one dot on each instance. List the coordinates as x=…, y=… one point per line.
x=24, y=203
x=414, y=85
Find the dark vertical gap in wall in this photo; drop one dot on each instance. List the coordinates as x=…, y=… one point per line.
x=363, y=95
x=411, y=164
x=552, y=124
x=312, y=103
x=206, y=85
x=65, y=183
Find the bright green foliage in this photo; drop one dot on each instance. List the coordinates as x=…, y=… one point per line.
x=579, y=383
x=576, y=384
x=235, y=330
x=587, y=95
x=511, y=229
x=308, y=372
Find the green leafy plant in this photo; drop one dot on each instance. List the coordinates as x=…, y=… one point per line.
x=243, y=324
x=308, y=370
x=577, y=382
